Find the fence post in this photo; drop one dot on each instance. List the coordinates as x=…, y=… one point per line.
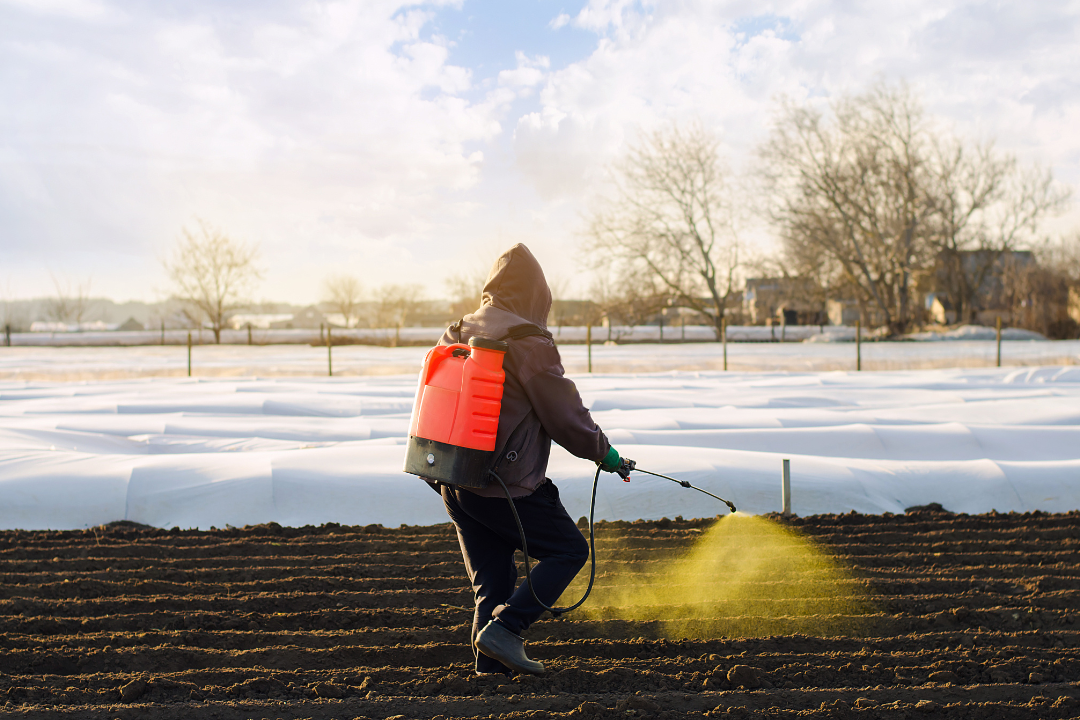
x=163, y=332
x=189, y=354
x=249, y=333
x=661, y=329
x=329, y=354
x=785, y=488
x=999, y=341
x=858, y=345
x=723, y=338
x=588, y=344
x=7, y=335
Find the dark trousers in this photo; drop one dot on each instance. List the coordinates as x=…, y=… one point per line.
x=489, y=536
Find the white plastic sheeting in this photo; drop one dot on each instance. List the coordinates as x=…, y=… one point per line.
x=201, y=453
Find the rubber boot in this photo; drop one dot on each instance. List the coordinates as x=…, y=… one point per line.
x=497, y=642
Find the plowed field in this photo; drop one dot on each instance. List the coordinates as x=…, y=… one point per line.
x=968, y=617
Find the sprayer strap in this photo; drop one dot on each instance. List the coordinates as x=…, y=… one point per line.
x=456, y=328
x=517, y=332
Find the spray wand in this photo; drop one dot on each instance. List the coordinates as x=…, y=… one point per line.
x=625, y=468
x=685, y=484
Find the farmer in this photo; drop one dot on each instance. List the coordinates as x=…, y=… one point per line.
x=539, y=405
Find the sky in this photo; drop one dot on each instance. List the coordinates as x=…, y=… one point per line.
x=407, y=142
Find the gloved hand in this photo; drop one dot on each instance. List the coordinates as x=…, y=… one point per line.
x=625, y=466
x=613, y=463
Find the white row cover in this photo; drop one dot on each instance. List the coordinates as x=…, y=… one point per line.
x=202, y=453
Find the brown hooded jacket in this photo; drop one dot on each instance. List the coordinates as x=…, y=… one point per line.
x=539, y=403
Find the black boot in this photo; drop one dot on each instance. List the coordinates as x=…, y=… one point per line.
x=497, y=642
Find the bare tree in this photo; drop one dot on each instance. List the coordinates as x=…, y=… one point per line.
x=212, y=273
x=343, y=293
x=466, y=291
x=627, y=300
x=872, y=195
x=397, y=304
x=672, y=218
x=850, y=195
x=12, y=317
x=985, y=206
x=70, y=303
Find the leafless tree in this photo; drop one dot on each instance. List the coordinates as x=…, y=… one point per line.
x=396, y=306
x=466, y=290
x=70, y=303
x=672, y=218
x=850, y=195
x=212, y=273
x=873, y=194
x=12, y=317
x=626, y=300
x=985, y=206
x=343, y=293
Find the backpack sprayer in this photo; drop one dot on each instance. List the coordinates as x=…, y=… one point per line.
x=455, y=420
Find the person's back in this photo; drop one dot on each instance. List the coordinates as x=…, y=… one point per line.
x=539, y=405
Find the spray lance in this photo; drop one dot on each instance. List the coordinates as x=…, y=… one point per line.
x=454, y=423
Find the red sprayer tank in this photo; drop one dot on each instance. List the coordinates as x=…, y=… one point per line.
x=455, y=415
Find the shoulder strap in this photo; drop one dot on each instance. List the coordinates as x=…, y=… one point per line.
x=517, y=332
x=456, y=328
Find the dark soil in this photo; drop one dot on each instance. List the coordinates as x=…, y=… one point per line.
x=977, y=617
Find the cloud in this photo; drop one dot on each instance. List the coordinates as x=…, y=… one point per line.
x=984, y=69
x=313, y=128
x=560, y=20
x=342, y=132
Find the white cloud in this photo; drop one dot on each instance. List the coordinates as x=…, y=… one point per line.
x=314, y=129
x=985, y=69
x=340, y=133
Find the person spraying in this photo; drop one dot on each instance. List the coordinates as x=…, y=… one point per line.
x=461, y=453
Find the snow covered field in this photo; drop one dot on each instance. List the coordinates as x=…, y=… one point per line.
x=202, y=452
x=97, y=363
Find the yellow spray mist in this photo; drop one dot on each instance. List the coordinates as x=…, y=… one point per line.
x=744, y=576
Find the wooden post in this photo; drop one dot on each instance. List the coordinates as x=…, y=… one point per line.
x=189, y=354
x=858, y=345
x=321, y=332
x=163, y=332
x=683, y=330
x=7, y=335
x=249, y=333
x=999, y=341
x=329, y=354
x=661, y=329
x=785, y=488
x=588, y=344
x=723, y=338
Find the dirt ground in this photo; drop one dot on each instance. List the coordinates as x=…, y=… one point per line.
x=971, y=617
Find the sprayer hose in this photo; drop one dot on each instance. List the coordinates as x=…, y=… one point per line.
x=525, y=547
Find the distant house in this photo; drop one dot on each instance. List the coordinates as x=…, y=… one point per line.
x=845, y=311
x=309, y=319
x=940, y=309
x=842, y=312
x=257, y=321
x=781, y=299
x=130, y=325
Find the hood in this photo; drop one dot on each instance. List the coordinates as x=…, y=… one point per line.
x=517, y=285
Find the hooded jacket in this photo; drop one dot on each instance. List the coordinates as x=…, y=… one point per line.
x=539, y=403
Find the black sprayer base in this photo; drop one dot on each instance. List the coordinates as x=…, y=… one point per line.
x=446, y=463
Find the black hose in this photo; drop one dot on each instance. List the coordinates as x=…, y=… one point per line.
x=556, y=612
